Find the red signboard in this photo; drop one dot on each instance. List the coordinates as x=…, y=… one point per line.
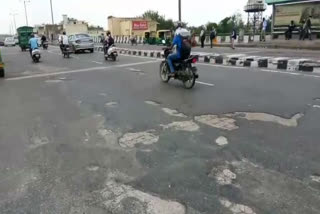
x=139, y=25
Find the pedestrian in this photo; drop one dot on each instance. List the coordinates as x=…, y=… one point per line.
x=301, y=29
x=213, y=34
x=288, y=33
x=308, y=32
x=263, y=30
x=233, y=37
x=102, y=38
x=202, y=37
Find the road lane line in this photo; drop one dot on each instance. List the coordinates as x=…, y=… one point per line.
x=222, y=66
x=204, y=83
x=100, y=63
x=79, y=71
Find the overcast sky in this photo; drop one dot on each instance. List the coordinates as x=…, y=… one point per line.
x=96, y=11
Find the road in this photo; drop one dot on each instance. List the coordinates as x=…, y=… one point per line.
x=265, y=52
x=82, y=135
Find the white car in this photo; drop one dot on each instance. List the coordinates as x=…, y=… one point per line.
x=9, y=41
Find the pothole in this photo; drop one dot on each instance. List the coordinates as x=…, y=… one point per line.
x=153, y=103
x=111, y=104
x=188, y=126
x=130, y=140
x=236, y=208
x=173, y=112
x=222, y=141
x=292, y=122
x=37, y=141
x=223, y=175
x=215, y=121
x=119, y=197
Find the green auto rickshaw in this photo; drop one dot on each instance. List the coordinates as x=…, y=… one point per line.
x=164, y=37
x=24, y=34
x=1, y=67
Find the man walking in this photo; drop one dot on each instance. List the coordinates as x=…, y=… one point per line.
x=212, y=36
x=263, y=30
x=202, y=37
x=308, y=32
x=233, y=37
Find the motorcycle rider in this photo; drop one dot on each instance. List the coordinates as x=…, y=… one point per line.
x=33, y=42
x=177, y=41
x=64, y=41
x=43, y=39
x=109, y=41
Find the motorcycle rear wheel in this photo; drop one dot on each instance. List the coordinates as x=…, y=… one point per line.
x=164, y=72
x=189, y=84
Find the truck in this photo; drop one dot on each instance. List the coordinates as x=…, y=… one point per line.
x=24, y=34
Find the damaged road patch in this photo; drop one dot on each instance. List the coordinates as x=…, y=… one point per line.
x=130, y=140
x=120, y=198
x=188, y=126
x=215, y=121
x=173, y=112
x=236, y=208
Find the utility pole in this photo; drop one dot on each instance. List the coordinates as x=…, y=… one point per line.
x=14, y=20
x=179, y=10
x=51, y=12
x=25, y=10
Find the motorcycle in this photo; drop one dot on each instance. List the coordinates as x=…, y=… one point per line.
x=36, y=55
x=45, y=45
x=185, y=70
x=65, y=51
x=112, y=53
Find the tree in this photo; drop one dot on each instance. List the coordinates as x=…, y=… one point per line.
x=164, y=24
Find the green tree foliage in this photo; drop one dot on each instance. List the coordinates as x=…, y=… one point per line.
x=164, y=24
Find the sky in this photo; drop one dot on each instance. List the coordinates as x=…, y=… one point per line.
x=95, y=12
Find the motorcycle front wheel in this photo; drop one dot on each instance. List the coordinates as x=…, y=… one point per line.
x=164, y=72
x=188, y=84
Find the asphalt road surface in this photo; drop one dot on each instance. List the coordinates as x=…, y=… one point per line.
x=83, y=135
x=265, y=52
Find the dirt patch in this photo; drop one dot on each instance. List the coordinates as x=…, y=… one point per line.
x=130, y=140
x=188, y=126
x=215, y=121
x=222, y=141
x=118, y=198
x=173, y=112
x=153, y=103
x=236, y=208
x=264, y=117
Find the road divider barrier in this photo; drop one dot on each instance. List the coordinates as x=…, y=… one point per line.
x=240, y=60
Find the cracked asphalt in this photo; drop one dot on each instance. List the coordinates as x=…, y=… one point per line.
x=83, y=135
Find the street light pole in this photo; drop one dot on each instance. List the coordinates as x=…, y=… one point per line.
x=51, y=12
x=25, y=11
x=179, y=10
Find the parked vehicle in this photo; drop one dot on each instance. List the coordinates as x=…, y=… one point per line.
x=81, y=42
x=9, y=41
x=16, y=40
x=112, y=53
x=36, y=55
x=185, y=70
x=24, y=34
x=1, y=43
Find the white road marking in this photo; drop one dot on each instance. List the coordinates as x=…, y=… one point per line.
x=294, y=74
x=142, y=57
x=100, y=63
x=79, y=71
x=204, y=83
x=222, y=66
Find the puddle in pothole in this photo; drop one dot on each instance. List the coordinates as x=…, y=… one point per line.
x=222, y=141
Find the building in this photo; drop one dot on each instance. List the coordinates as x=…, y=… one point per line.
x=39, y=29
x=52, y=32
x=72, y=26
x=131, y=26
x=285, y=11
x=95, y=30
